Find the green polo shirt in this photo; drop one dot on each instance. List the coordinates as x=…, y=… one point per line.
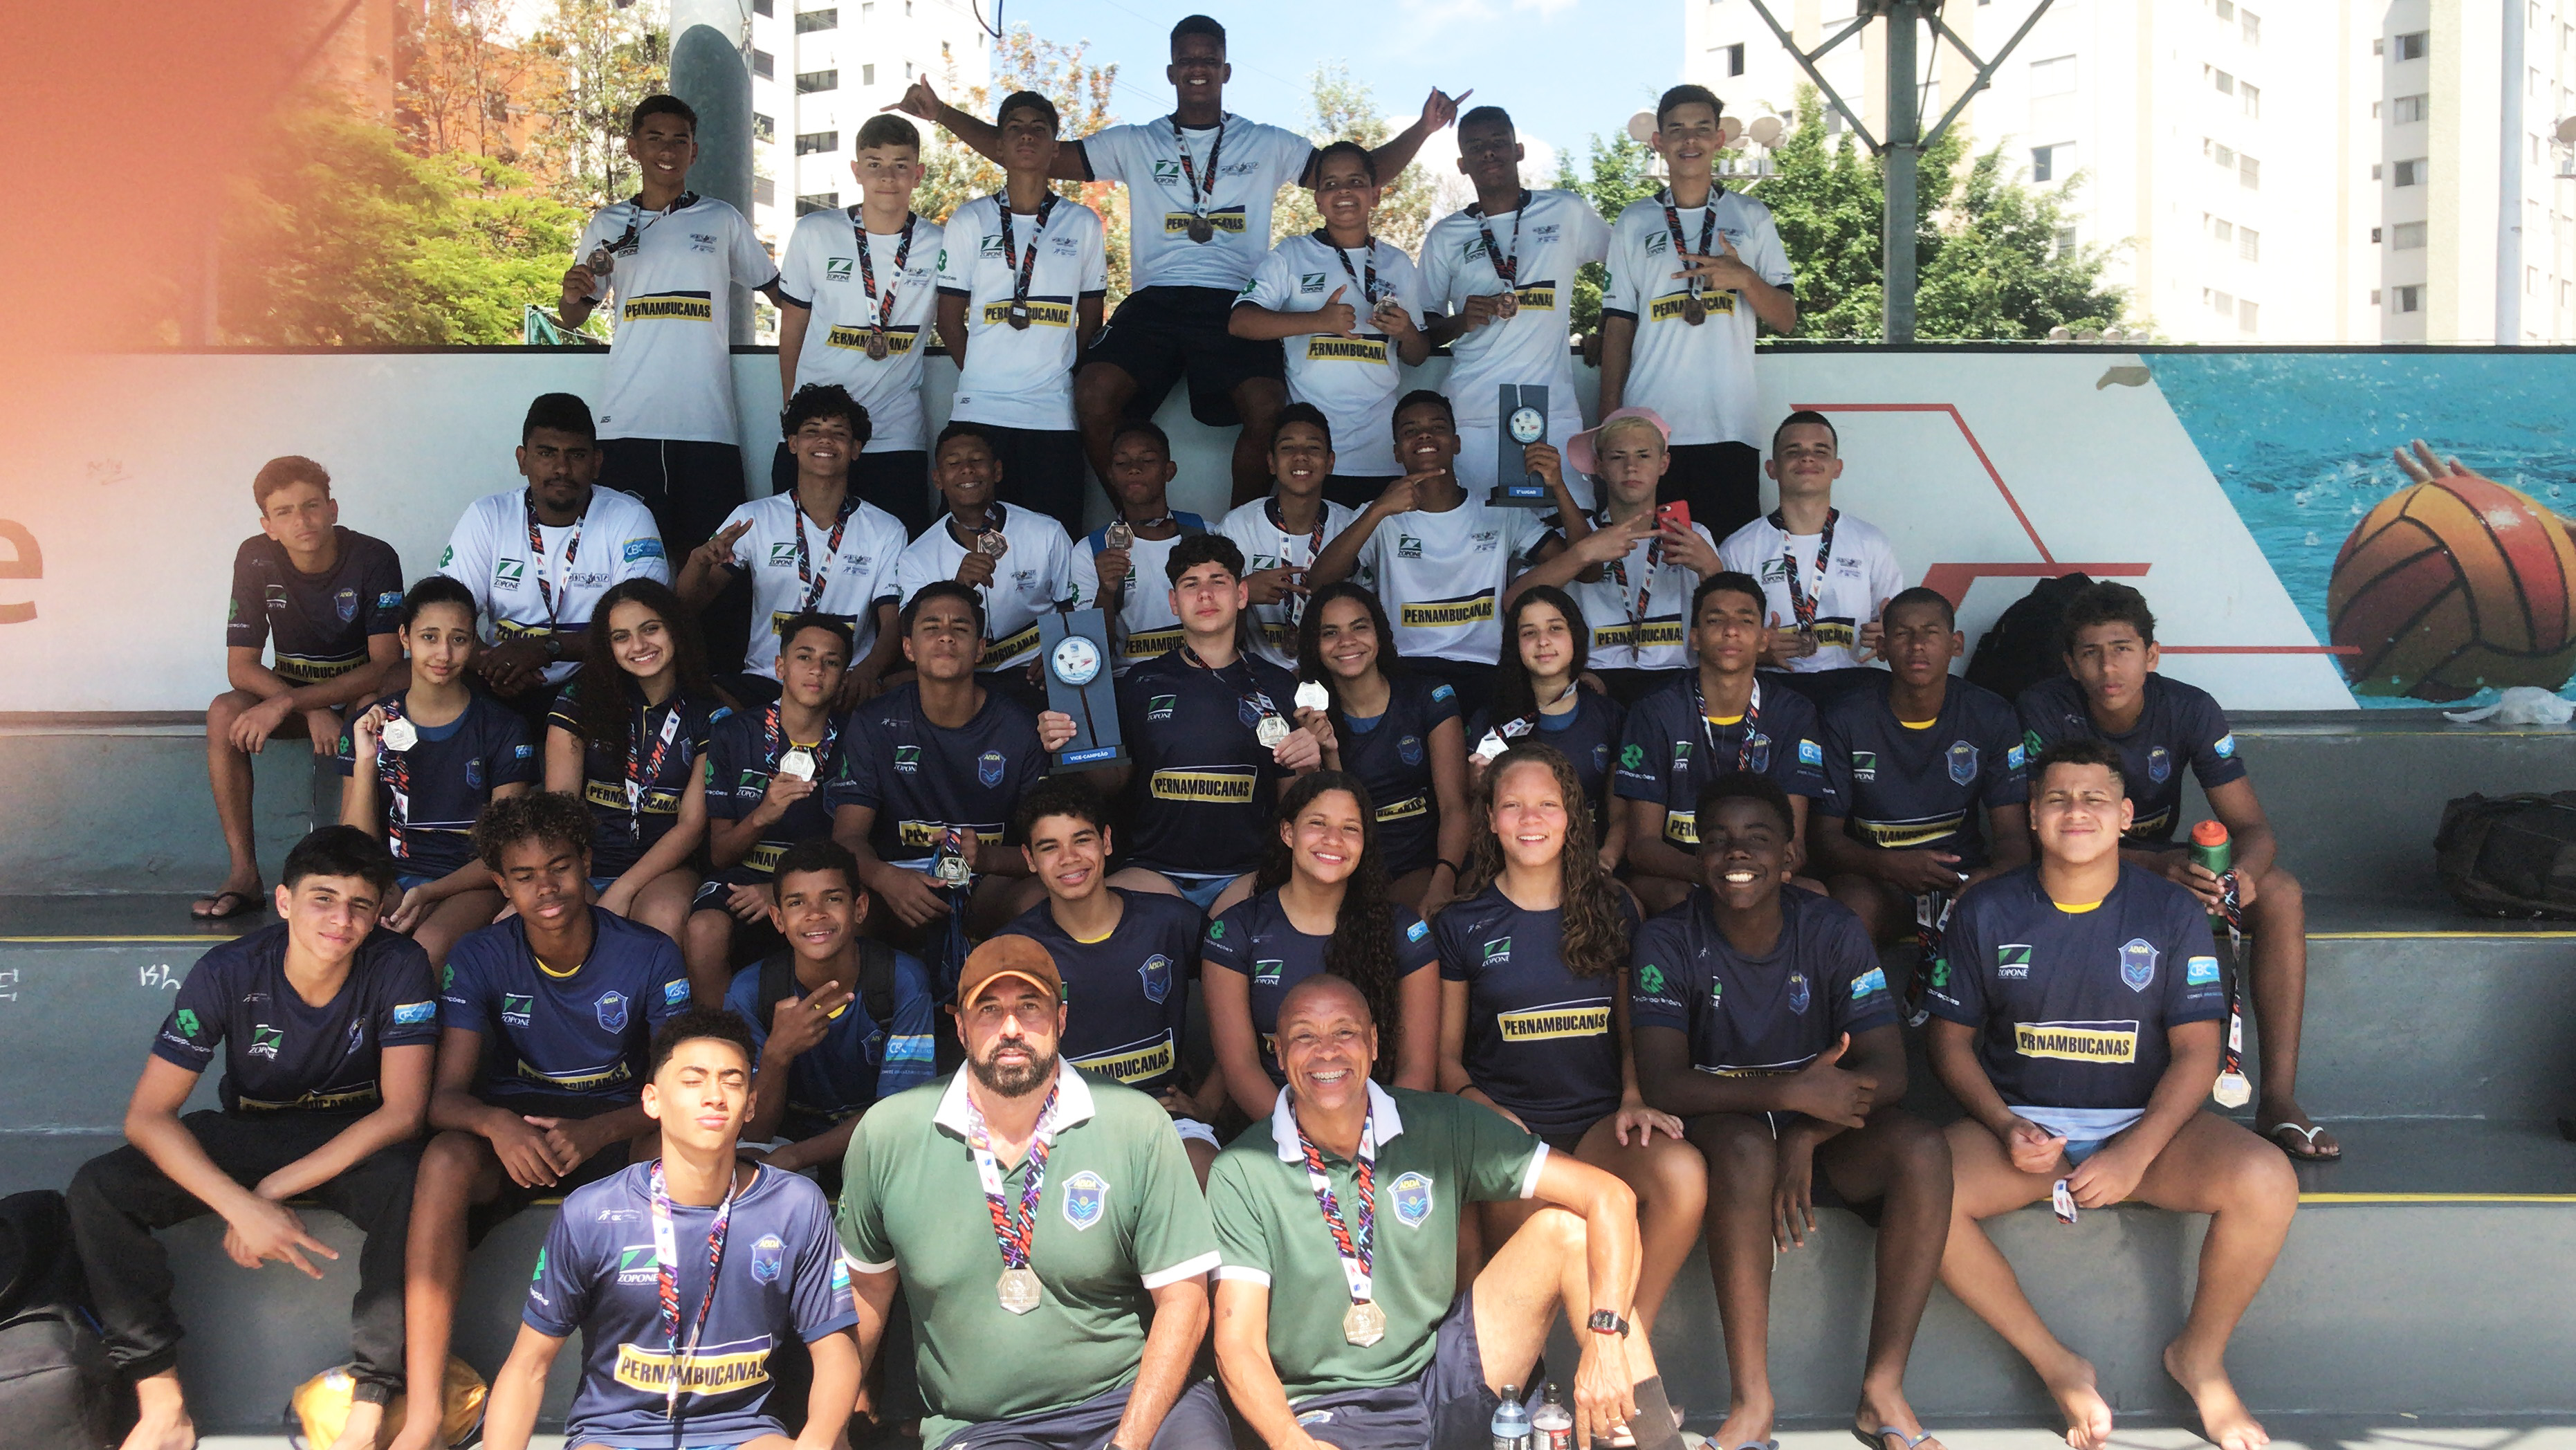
x=1435, y=1153
x=1119, y=1217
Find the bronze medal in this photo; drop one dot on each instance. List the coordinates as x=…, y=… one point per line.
x=1017, y=316
x=992, y=542
x=1364, y=1323
x=876, y=345
x=1202, y=230
x=1694, y=312
x=1510, y=305
x=1019, y=1289
x=601, y=261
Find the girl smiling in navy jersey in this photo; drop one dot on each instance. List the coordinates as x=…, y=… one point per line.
x=1398, y=731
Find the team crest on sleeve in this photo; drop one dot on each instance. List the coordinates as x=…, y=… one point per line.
x=1417, y=931
x=2225, y=748
x=2016, y=758
x=1963, y=762
x=1873, y=980
x=675, y=993
x=988, y=768
x=1086, y=1199
x=2137, y=964
x=1156, y=974
x=2159, y=765
x=1811, y=754
x=1412, y=1197
x=2200, y=972
x=612, y=1011
x=768, y=1258
x=1799, y=994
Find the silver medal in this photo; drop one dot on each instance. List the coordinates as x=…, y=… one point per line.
x=1364, y=1323
x=2233, y=1090
x=1312, y=695
x=400, y=734
x=1020, y=1290
x=796, y=765
x=1120, y=535
x=1491, y=746
x=1270, y=731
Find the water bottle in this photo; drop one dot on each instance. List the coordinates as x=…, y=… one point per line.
x=2211, y=850
x=1554, y=1423
x=1511, y=1421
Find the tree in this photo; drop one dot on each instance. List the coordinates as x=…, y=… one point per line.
x=457, y=80
x=340, y=237
x=1619, y=174
x=1342, y=110
x=593, y=60
x=953, y=175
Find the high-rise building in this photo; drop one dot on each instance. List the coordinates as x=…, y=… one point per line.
x=2280, y=171
x=821, y=68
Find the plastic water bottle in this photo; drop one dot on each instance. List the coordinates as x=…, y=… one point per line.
x=1553, y=1422
x=1511, y=1421
x=2211, y=850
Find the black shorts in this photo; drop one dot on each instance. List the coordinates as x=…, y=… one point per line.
x=1163, y=334
x=1721, y=481
x=1446, y=1407
x=1629, y=686
x=1824, y=687
x=752, y=940
x=1472, y=679
x=1356, y=490
x=897, y=481
x=1196, y=1421
x=690, y=485
x=1042, y=469
x=482, y=1218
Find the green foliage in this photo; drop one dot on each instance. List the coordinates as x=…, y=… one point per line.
x=594, y=59
x=953, y=175
x=1996, y=270
x=344, y=239
x=1343, y=110
x=1616, y=175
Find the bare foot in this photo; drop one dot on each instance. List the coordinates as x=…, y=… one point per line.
x=1887, y=1410
x=2223, y=1417
x=1746, y=1424
x=2308, y=1143
x=2088, y=1415
x=366, y=1417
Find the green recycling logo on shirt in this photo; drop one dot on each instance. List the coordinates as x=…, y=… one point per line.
x=1650, y=978
x=1631, y=756
x=188, y=1024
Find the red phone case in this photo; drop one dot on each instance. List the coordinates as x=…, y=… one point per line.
x=1676, y=512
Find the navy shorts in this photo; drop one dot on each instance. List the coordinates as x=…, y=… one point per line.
x=1446, y=1407
x=1196, y=1422
x=1164, y=334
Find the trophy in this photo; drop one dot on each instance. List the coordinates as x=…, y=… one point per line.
x=1522, y=412
x=1075, y=646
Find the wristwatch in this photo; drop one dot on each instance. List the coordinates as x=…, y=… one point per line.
x=1604, y=1321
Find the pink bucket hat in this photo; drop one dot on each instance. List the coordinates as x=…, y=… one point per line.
x=1578, y=449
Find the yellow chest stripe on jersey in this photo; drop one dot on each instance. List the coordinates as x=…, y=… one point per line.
x=583, y=1081
x=1207, y=787
x=925, y=834
x=1404, y=810
x=899, y=340
x=1133, y=1064
x=1445, y=613
x=685, y=309
x=703, y=1374
x=610, y=795
x=1041, y=314
x=1907, y=835
x=1144, y=644
x=2077, y=1041
x=1720, y=304
x=1001, y=651
x=1347, y=349
x=1681, y=827
x=1177, y=222
x=1544, y=1024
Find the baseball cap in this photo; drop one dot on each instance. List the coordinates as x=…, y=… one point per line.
x=1007, y=956
x=1578, y=449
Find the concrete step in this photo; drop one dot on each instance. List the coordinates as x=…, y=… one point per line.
x=124, y=806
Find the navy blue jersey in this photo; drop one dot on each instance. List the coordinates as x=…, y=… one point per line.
x=2180, y=723
x=1540, y=1040
x=782, y=1278
x=920, y=778
x=281, y=1053
x=583, y=1034
x=860, y=1059
x=1901, y=789
x=1391, y=754
x=431, y=793
x=1128, y=994
x=1670, y=750
x=319, y=623
x=1588, y=735
x=664, y=747
x=1754, y=1016
x=1205, y=792
x=1255, y=937
x=2072, y=1007
x=742, y=755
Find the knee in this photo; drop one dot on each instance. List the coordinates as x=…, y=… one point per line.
x=447, y=1164
x=1738, y=1151
x=91, y=1187
x=222, y=711
x=2280, y=893
x=1101, y=388
x=1677, y=1175
x=1560, y=1227
x=2258, y=1178
x=1918, y=1151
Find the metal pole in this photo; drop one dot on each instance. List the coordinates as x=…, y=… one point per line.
x=707, y=71
x=2508, y=267
x=1904, y=147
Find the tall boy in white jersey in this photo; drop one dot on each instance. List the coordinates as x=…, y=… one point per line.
x=539, y=557
x=817, y=548
x=1503, y=273
x=855, y=294
x=1282, y=535
x=1016, y=559
x=1441, y=553
x=671, y=259
x=2077, y=1014
x=1691, y=270
x=1109, y=560
x=1826, y=575
x=743, y=1262
x=1200, y=183
x=1348, y=309
x=1022, y=280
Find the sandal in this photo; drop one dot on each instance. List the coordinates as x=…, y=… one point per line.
x=240, y=903
x=2305, y=1149
x=1879, y=1440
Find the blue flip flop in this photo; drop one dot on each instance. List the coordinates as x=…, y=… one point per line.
x=1879, y=1440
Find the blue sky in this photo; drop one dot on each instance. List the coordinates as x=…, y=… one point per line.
x=1564, y=68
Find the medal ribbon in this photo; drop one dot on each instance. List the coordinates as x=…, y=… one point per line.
x=1515, y=729
x=1013, y=260
x=813, y=588
x=1198, y=202
x=1752, y=722
x=1293, y=607
x=638, y=769
x=775, y=742
x=666, y=1274
x=2233, y=1059
x=1368, y=255
x=393, y=768
x=537, y=554
x=1015, y=1234
x=868, y=279
x=1707, y=228
x=1509, y=268
x=1931, y=914
x=1801, y=603
x=642, y=222
x=1358, y=1251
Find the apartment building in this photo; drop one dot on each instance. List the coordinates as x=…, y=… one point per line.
x=821, y=68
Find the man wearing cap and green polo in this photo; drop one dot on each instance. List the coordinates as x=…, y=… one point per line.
x=1031, y=1308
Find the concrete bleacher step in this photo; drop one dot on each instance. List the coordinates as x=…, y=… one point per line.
x=121, y=806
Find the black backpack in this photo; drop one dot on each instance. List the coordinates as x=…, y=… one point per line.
x=57, y=1387
x=2023, y=648
x=876, y=981
x=2510, y=855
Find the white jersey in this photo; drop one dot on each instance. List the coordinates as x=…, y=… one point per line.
x=1860, y=577
x=1146, y=624
x=1252, y=161
x=1699, y=378
x=1021, y=378
x=1443, y=576
x=1353, y=379
x=1265, y=545
x=522, y=593
x=670, y=364
x=795, y=569
x=1033, y=576
x=823, y=271
x=1544, y=241
x=1636, y=609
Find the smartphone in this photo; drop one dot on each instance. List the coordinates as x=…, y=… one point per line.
x=1674, y=515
